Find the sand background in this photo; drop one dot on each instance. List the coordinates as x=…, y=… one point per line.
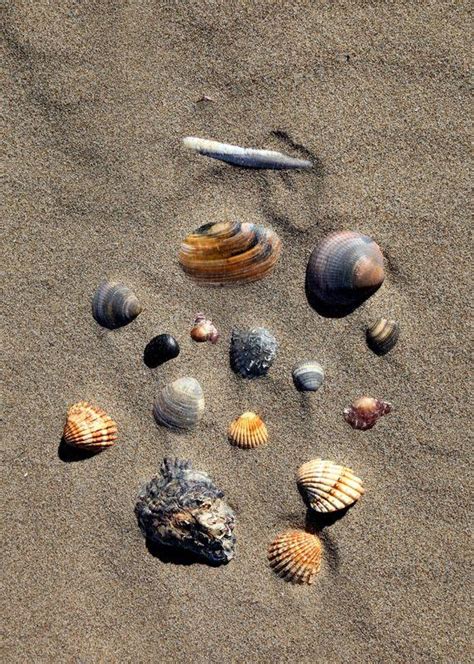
x=98, y=96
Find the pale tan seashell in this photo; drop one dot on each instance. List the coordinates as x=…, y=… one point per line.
x=327, y=487
x=89, y=428
x=295, y=555
x=248, y=431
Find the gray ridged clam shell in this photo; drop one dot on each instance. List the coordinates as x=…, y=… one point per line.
x=180, y=404
x=344, y=269
x=252, y=352
x=308, y=376
x=114, y=305
x=182, y=508
x=382, y=335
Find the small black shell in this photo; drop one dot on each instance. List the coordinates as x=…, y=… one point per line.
x=182, y=508
x=160, y=349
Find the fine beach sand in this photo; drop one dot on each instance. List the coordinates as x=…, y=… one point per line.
x=99, y=95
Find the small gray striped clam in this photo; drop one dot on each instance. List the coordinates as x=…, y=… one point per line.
x=382, y=335
x=246, y=157
x=180, y=404
x=114, y=305
x=308, y=376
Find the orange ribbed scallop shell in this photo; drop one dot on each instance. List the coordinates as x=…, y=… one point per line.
x=328, y=487
x=248, y=431
x=89, y=428
x=295, y=555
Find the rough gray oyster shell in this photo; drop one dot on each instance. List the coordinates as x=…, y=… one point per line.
x=182, y=508
x=252, y=352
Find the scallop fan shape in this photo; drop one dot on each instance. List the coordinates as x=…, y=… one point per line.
x=295, y=556
x=248, y=431
x=89, y=428
x=328, y=487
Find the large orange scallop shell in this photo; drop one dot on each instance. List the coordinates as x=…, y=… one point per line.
x=89, y=428
x=229, y=252
x=328, y=487
x=248, y=431
x=295, y=555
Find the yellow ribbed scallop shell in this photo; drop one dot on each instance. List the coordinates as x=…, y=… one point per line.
x=89, y=428
x=327, y=487
x=296, y=556
x=248, y=431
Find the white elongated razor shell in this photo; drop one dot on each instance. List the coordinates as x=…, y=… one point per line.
x=246, y=157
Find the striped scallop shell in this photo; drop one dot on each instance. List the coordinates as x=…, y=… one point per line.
x=327, y=487
x=382, y=335
x=89, y=428
x=296, y=556
x=229, y=252
x=180, y=404
x=308, y=376
x=248, y=431
x=114, y=305
x=344, y=270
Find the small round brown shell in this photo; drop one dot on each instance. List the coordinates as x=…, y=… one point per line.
x=365, y=412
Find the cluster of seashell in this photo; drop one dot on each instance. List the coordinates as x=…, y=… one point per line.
x=180, y=404
x=89, y=428
x=229, y=252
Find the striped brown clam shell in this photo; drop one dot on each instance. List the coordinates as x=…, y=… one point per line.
x=229, y=252
x=114, y=305
x=328, y=487
x=248, y=431
x=295, y=556
x=89, y=428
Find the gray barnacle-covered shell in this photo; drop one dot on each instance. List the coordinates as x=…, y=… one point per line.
x=114, y=305
x=180, y=404
x=252, y=352
x=182, y=508
x=308, y=376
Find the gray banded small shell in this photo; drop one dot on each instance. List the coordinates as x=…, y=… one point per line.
x=252, y=352
x=114, y=305
x=180, y=404
x=308, y=376
x=328, y=487
x=382, y=335
x=246, y=157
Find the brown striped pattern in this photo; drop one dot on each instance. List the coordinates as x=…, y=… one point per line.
x=296, y=556
x=248, y=431
x=89, y=428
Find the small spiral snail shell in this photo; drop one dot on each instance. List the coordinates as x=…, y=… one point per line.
x=204, y=330
x=365, y=412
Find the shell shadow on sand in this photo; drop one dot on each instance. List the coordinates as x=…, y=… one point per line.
x=175, y=556
x=316, y=524
x=70, y=454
